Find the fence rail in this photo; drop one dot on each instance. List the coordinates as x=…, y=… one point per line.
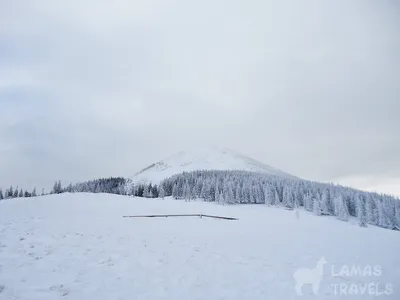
x=182, y=215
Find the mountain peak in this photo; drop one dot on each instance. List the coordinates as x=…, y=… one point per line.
x=204, y=158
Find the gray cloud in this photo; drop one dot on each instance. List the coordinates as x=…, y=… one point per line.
x=97, y=89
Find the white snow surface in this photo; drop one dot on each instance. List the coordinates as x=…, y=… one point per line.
x=78, y=246
x=203, y=158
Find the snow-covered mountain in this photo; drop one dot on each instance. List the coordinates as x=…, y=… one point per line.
x=212, y=158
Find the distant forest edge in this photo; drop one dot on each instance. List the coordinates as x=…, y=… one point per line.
x=242, y=187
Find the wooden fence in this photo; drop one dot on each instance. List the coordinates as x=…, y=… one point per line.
x=184, y=215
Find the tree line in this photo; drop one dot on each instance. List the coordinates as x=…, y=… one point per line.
x=17, y=193
x=111, y=185
x=240, y=187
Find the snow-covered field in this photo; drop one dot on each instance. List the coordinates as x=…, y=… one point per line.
x=78, y=246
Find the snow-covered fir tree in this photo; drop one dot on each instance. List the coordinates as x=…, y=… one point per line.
x=308, y=202
x=276, y=198
x=175, y=191
x=325, y=203
x=10, y=192
x=361, y=211
x=162, y=192
x=317, y=206
x=268, y=196
x=397, y=215
x=370, y=210
x=341, y=208
x=146, y=192
x=15, y=195
x=216, y=194
x=57, y=188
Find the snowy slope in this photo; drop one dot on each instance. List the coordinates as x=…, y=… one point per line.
x=77, y=246
x=212, y=158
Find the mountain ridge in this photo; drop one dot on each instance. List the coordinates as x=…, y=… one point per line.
x=206, y=158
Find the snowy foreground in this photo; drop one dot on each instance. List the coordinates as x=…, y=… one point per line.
x=78, y=246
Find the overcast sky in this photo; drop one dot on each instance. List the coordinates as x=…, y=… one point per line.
x=100, y=88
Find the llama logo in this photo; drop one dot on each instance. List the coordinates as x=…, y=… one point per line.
x=310, y=276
